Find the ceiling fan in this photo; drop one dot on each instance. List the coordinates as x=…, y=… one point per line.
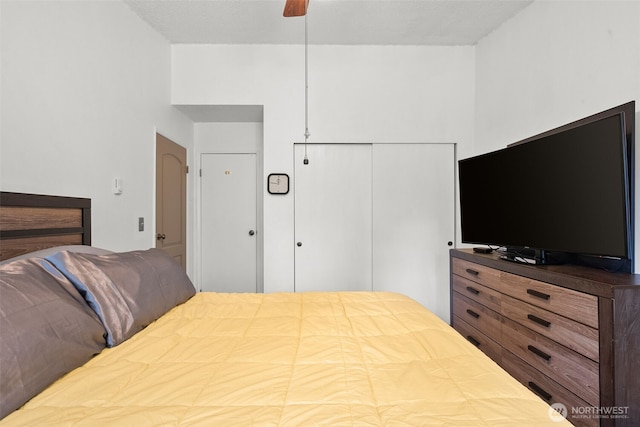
x=295, y=8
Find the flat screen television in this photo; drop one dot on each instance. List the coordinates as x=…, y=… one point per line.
x=562, y=196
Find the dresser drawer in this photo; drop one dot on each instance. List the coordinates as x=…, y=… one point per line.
x=565, y=302
x=480, y=317
x=478, y=273
x=549, y=390
x=583, y=320
x=486, y=296
x=572, y=334
x=570, y=369
x=477, y=338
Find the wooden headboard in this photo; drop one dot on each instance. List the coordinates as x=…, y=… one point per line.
x=30, y=222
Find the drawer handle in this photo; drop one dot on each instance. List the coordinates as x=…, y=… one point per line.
x=538, y=352
x=539, y=391
x=538, y=320
x=473, y=313
x=538, y=294
x=472, y=272
x=473, y=290
x=473, y=341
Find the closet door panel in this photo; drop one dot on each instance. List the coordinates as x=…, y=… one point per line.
x=333, y=217
x=413, y=221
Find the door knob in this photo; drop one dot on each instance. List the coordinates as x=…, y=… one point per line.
x=161, y=236
x=251, y=232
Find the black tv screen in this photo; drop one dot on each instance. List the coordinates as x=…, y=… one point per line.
x=566, y=191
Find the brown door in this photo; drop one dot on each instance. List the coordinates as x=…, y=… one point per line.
x=171, y=199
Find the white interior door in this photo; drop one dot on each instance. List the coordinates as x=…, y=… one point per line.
x=333, y=217
x=229, y=218
x=414, y=221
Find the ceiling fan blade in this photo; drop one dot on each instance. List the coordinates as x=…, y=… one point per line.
x=295, y=8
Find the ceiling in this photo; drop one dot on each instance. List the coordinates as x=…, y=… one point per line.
x=344, y=22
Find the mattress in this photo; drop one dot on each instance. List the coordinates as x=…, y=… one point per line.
x=290, y=359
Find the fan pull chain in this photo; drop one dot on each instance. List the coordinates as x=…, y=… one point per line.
x=306, y=92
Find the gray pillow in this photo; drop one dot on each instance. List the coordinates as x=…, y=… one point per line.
x=47, y=330
x=127, y=290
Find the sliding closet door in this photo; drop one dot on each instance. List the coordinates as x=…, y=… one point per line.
x=333, y=217
x=413, y=221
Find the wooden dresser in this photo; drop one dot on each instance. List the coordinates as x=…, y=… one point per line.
x=570, y=334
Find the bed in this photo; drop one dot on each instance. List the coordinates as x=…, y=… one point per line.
x=91, y=337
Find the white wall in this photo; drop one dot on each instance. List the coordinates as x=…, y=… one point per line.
x=85, y=86
x=556, y=62
x=228, y=137
x=356, y=94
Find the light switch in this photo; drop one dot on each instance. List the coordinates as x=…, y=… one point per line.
x=141, y=224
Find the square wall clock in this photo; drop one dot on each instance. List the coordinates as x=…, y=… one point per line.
x=278, y=183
